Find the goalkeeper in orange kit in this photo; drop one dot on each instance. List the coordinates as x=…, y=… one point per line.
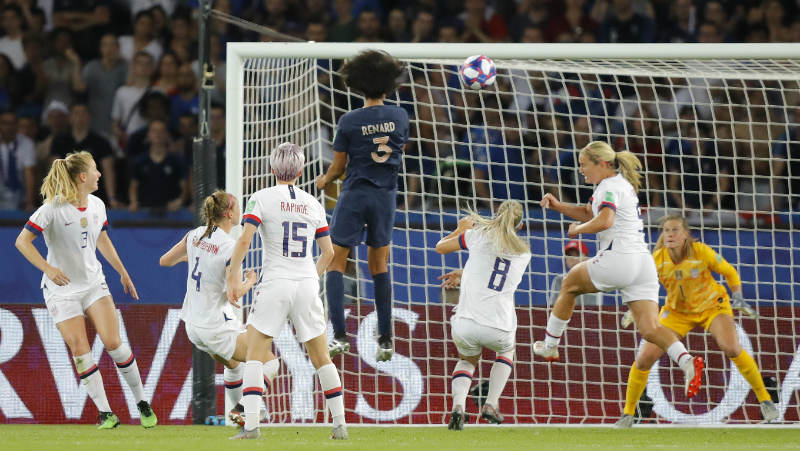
x=694, y=299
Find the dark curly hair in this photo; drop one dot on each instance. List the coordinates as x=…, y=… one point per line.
x=373, y=73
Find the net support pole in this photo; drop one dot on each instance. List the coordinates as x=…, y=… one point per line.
x=204, y=389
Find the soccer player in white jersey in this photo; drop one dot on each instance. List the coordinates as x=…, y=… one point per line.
x=74, y=223
x=288, y=220
x=623, y=263
x=207, y=249
x=485, y=316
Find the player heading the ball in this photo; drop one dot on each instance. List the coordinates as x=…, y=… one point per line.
x=485, y=316
x=369, y=143
x=288, y=219
x=74, y=225
x=623, y=263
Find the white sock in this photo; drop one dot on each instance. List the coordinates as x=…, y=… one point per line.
x=555, y=329
x=126, y=365
x=678, y=353
x=462, y=379
x=270, y=371
x=233, y=383
x=91, y=378
x=251, y=393
x=498, y=377
x=332, y=387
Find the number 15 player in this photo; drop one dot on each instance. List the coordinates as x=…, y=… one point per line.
x=369, y=142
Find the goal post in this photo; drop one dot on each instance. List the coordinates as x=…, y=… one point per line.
x=714, y=126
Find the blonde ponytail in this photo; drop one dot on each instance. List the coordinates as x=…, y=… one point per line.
x=214, y=209
x=626, y=162
x=59, y=183
x=502, y=228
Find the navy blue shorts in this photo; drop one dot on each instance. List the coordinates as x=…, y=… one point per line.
x=360, y=207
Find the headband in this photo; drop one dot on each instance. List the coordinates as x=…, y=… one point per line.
x=230, y=204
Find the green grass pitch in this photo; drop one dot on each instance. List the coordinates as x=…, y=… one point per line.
x=210, y=438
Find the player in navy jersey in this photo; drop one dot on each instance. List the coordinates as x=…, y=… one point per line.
x=369, y=144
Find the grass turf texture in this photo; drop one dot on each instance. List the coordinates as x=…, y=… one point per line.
x=202, y=438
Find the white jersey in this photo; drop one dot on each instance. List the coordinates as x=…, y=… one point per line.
x=488, y=282
x=71, y=236
x=288, y=220
x=626, y=235
x=205, y=283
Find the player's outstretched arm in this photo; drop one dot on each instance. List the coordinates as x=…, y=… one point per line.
x=175, y=255
x=582, y=213
x=106, y=247
x=452, y=279
x=604, y=220
x=335, y=170
x=234, y=279
x=450, y=243
x=325, y=245
x=24, y=245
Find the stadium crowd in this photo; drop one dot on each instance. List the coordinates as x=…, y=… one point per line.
x=119, y=78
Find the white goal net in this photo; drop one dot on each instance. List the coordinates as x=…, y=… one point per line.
x=719, y=143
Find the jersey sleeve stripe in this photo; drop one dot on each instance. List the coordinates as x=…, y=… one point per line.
x=607, y=205
x=30, y=225
x=105, y=226
x=462, y=241
x=322, y=231
x=227, y=262
x=251, y=219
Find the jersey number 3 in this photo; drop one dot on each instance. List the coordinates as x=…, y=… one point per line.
x=384, y=151
x=498, y=277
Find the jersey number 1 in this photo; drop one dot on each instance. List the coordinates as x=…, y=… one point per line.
x=498, y=277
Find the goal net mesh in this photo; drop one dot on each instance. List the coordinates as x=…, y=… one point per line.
x=718, y=142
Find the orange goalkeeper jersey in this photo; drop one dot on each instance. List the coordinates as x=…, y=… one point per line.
x=690, y=286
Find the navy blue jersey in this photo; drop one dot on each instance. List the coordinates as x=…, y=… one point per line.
x=373, y=138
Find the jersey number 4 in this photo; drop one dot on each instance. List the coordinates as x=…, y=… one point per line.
x=294, y=228
x=197, y=275
x=498, y=277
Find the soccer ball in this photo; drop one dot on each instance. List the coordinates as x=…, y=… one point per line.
x=478, y=72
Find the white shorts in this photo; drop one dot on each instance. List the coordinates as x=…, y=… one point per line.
x=471, y=337
x=634, y=275
x=220, y=340
x=64, y=307
x=278, y=299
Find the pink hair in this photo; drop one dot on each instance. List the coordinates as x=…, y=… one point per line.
x=286, y=161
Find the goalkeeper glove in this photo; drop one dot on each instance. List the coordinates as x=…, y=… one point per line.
x=627, y=319
x=738, y=303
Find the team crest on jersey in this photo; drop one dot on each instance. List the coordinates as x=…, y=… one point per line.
x=250, y=205
x=678, y=275
x=609, y=196
x=695, y=273
x=84, y=222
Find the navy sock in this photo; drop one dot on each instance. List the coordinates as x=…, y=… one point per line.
x=383, y=303
x=334, y=289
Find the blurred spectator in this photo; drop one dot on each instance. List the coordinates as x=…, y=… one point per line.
x=160, y=23
x=168, y=6
x=17, y=161
x=124, y=110
x=572, y=24
x=775, y=21
x=530, y=13
x=316, y=11
x=155, y=106
x=103, y=76
x=315, y=31
x=482, y=23
x=682, y=26
x=8, y=83
x=167, y=74
x=87, y=20
x=397, y=26
x=624, y=24
x=142, y=39
x=158, y=180
x=186, y=100
x=369, y=27
x=11, y=43
x=216, y=127
x=181, y=42
x=716, y=15
x=345, y=29
x=80, y=137
x=182, y=146
x=448, y=32
x=56, y=122
x=32, y=77
x=62, y=71
x=423, y=26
